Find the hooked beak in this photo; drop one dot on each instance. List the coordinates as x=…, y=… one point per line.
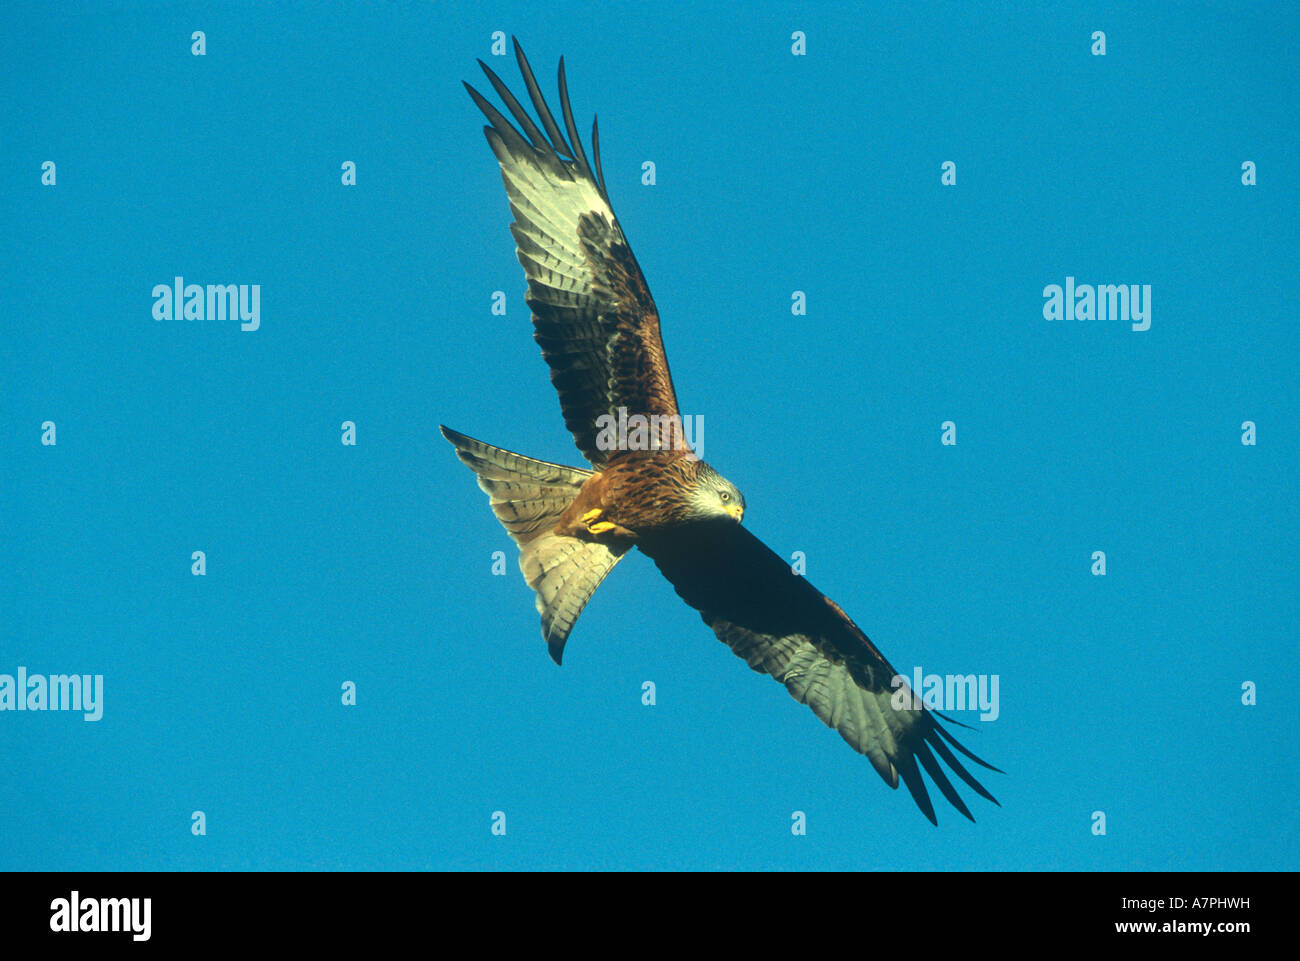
x=736, y=511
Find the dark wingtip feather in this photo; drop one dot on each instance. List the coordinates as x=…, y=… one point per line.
x=549, y=138
x=595, y=152
x=961, y=772
x=911, y=775
x=952, y=720
x=516, y=109
x=958, y=745
x=566, y=108
x=558, y=143
x=504, y=128
x=941, y=780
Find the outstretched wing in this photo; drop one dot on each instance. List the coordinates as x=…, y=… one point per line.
x=593, y=315
x=783, y=626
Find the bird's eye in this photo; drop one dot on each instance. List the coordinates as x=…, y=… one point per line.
x=725, y=497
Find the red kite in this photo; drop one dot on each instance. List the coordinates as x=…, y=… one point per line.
x=598, y=329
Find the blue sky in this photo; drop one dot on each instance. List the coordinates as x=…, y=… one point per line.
x=774, y=173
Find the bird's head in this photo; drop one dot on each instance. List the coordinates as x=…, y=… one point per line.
x=715, y=496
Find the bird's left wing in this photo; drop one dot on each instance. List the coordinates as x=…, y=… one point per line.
x=593, y=314
x=783, y=626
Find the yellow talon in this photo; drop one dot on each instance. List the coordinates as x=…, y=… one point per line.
x=601, y=527
x=591, y=515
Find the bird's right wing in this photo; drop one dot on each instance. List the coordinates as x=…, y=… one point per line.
x=783, y=626
x=593, y=314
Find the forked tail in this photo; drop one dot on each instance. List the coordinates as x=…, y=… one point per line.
x=528, y=496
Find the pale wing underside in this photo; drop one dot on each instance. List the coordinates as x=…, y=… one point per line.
x=784, y=627
x=593, y=314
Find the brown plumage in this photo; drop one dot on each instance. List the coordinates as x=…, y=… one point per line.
x=593, y=315
x=598, y=329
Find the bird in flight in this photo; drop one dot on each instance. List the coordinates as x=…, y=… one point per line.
x=598, y=329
